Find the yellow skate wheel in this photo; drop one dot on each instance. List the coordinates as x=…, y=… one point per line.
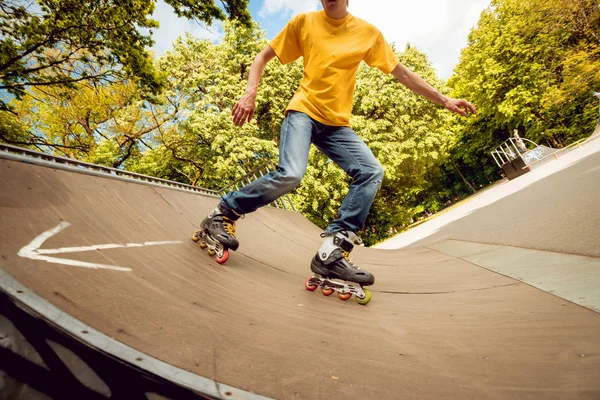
x=344, y=296
x=211, y=252
x=196, y=236
x=327, y=292
x=367, y=298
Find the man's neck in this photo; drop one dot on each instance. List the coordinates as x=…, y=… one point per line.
x=337, y=14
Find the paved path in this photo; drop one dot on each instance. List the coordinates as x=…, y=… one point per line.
x=553, y=208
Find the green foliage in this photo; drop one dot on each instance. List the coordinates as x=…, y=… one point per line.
x=11, y=129
x=529, y=65
x=66, y=41
x=205, y=148
x=533, y=65
x=207, y=11
x=105, y=124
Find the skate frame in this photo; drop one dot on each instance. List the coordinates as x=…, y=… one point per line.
x=340, y=287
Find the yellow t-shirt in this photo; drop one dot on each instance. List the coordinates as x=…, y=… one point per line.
x=332, y=51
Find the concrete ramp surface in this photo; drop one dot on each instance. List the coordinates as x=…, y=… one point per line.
x=437, y=327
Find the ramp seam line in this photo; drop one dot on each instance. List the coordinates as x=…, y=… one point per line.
x=450, y=292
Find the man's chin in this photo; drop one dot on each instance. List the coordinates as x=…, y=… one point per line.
x=332, y=5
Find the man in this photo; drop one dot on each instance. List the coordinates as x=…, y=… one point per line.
x=333, y=43
x=520, y=142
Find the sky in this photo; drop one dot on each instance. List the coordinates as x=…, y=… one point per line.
x=439, y=28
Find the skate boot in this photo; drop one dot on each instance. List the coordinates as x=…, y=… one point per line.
x=333, y=262
x=217, y=233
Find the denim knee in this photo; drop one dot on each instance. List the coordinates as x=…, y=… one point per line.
x=289, y=179
x=374, y=173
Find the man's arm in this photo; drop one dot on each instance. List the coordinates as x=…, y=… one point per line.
x=244, y=109
x=418, y=85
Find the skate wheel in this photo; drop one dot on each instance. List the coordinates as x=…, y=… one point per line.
x=211, y=252
x=310, y=286
x=223, y=260
x=195, y=236
x=367, y=298
x=203, y=245
x=344, y=296
x=327, y=292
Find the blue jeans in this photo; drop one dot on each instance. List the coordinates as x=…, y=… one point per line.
x=341, y=145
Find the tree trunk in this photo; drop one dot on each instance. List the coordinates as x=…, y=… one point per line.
x=463, y=178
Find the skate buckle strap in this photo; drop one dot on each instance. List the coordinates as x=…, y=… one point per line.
x=229, y=225
x=347, y=257
x=345, y=244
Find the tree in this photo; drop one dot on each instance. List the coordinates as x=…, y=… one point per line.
x=529, y=65
x=107, y=125
x=67, y=41
x=533, y=65
x=205, y=148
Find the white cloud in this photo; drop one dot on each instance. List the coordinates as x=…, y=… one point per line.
x=171, y=27
x=438, y=28
x=272, y=7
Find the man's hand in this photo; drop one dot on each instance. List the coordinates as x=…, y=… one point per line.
x=418, y=85
x=243, y=111
x=460, y=106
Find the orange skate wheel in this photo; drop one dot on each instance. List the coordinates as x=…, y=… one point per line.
x=310, y=286
x=223, y=260
x=203, y=244
x=327, y=292
x=344, y=296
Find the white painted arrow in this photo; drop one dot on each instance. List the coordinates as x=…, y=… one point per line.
x=33, y=251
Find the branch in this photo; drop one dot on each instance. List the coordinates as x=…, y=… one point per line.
x=48, y=39
x=145, y=144
x=38, y=143
x=174, y=152
x=118, y=163
x=42, y=67
x=63, y=82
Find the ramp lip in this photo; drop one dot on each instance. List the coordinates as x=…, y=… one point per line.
x=111, y=347
x=15, y=153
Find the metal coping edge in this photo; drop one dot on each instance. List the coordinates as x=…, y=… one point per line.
x=74, y=166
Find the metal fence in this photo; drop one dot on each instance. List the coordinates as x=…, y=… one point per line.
x=31, y=156
x=510, y=150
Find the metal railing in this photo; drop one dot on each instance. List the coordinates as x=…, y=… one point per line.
x=26, y=155
x=510, y=150
x=31, y=156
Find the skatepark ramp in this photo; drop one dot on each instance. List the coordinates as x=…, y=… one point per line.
x=104, y=295
x=517, y=156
